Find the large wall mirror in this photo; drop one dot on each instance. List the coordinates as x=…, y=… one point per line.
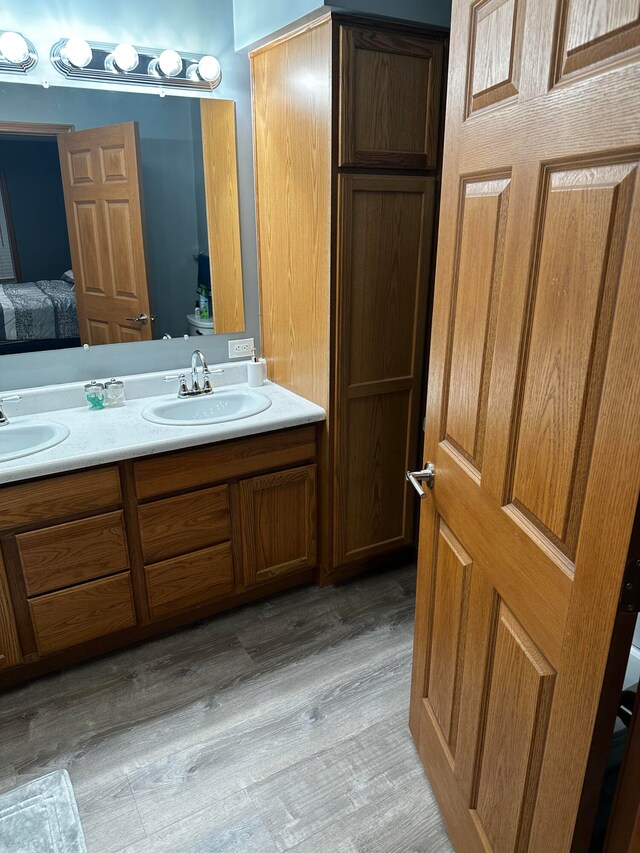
x=118, y=217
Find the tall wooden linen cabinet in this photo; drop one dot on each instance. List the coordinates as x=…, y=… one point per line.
x=347, y=160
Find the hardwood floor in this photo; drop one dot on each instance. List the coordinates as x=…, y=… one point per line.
x=278, y=726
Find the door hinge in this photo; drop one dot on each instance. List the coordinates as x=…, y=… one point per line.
x=630, y=594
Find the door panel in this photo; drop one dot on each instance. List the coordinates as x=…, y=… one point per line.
x=496, y=51
x=594, y=31
x=480, y=245
x=520, y=690
x=89, y=247
x=531, y=417
x=389, y=99
x=570, y=327
x=384, y=261
x=119, y=229
x=452, y=583
x=100, y=176
x=113, y=163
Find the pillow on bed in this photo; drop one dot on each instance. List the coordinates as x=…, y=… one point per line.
x=67, y=276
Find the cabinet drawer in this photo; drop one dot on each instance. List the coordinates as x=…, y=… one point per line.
x=190, y=580
x=188, y=469
x=73, y=616
x=279, y=523
x=57, y=497
x=187, y=523
x=70, y=553
x=390, y=99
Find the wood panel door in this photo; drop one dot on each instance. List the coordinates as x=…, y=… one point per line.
x=102, y=192
x=389, y=99
x=386, y=225
x=532, y=413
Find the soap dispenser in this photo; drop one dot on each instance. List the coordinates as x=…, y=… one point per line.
x=256, y=370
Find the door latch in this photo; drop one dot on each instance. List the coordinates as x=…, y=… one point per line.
x=428, y=474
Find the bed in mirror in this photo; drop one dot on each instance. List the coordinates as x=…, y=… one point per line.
x=118, y=217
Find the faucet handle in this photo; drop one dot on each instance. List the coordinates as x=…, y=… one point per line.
x=207, y=387
x=10, y=398
x=183, y=390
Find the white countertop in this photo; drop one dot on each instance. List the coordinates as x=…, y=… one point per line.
x=109, y=435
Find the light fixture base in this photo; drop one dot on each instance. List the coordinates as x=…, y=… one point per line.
x=97, y=72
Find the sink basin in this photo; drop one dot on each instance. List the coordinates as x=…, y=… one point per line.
x=23, y=439
x=210, y=409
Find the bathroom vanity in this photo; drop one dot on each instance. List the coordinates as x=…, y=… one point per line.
x=98, y=557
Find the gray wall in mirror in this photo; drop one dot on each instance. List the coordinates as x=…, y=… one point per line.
x=37, y=206
x=192, y=25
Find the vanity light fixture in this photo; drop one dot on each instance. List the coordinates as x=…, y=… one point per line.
x=123, y=58
x=17, y=53
x=125, y=63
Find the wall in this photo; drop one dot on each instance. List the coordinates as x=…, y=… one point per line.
x=34, y=185
x=254, y=22
x=193, y=25
x=437, y=13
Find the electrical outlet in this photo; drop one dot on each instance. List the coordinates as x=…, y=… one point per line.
x=241, y=349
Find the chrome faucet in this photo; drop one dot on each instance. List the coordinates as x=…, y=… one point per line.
x=4, y=420
x=206, y=387
x=197, y=387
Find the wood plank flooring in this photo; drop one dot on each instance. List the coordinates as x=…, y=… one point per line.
x=279, y=726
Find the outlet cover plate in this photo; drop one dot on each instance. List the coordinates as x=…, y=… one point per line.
x=241, y=348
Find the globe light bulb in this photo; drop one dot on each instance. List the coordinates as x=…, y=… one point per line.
x=170, y=63
x=77, y=52
x=126, y=57
x=209, y=69
x=13, y=47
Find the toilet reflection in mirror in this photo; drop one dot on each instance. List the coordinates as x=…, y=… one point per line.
x=104, y=232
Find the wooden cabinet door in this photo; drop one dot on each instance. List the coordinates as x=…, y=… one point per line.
x=386, y=224
x=532, y=413
x=278, y=518
x=10, y=652
x=389, y=99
